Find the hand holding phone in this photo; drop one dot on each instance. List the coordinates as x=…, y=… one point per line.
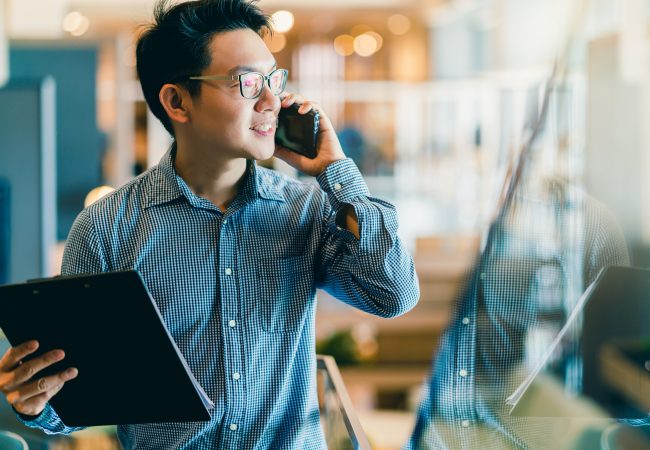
x=323, y=141
x=298, y=132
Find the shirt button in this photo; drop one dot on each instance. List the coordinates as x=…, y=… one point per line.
x=482, y=275
x=466, y=321
x=236, y=376
x=232, y=324
x=228, y=271
x=225, y=221
x=462, y=373
x=337, y=186
x=465, y=423
x=233, y=426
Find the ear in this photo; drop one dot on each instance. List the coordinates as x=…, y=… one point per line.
x=176, y=101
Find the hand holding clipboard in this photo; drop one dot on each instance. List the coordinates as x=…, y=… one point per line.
x=113, y=333
x=22, y=384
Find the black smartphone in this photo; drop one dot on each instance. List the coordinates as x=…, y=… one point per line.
x=298, y=132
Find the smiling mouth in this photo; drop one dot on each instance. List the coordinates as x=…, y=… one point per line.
x=265, y=129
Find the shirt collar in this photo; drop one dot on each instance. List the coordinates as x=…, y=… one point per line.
x=166, y=185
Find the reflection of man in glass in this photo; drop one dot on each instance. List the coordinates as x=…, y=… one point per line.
x=548, y=239
x=231, y=252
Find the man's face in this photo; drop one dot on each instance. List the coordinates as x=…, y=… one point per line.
x=223, y=120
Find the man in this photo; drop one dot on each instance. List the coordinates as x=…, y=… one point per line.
x=232, y=253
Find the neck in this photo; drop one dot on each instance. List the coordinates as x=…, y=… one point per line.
x=217, y=180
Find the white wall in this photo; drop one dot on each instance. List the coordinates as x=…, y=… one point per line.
x=497, y=35
x=4, y=46
x=532, y=31
x=616, y=152
x=35, y=19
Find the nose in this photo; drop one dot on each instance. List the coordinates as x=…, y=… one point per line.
x=267, y=101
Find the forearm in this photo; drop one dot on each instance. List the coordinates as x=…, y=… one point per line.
x=363, y=261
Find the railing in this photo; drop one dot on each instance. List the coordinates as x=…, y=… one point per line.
x=342, y=428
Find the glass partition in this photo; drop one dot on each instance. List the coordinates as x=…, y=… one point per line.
x=545, y=349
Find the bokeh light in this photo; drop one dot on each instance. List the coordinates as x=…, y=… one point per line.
x=365, y=44
x=277, y=43
x=344, y=45
x=399, y=24
x=282, y=21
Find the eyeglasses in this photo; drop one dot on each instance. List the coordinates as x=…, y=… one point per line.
x=251, y=84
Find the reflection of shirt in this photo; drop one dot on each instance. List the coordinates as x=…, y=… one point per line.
x=516, y=288
x=237, y=291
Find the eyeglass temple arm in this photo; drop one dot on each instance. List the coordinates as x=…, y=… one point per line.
x=215, y=77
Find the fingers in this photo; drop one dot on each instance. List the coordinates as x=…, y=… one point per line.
x=26, y=395
x=49, y=385
x=288, y=100
x=291, y=158
x=27, y=370
x=35, y=405
x=305, y=105
x=11, y=359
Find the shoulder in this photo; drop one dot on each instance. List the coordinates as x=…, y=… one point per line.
x=129, y=199
x=133, y=194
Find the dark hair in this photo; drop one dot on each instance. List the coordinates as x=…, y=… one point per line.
x=177, y=44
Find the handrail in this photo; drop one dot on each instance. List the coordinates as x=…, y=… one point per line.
x=352, y=424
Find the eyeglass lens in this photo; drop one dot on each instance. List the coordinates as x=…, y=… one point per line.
x=253, y=83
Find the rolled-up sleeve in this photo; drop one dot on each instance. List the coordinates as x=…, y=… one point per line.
x=374, y=273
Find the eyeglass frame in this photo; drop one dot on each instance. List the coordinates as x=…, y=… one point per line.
x=266, y=78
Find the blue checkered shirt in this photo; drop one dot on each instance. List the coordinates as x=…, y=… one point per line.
x=237, y=291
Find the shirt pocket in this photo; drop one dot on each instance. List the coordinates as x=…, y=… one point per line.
x=285, y=286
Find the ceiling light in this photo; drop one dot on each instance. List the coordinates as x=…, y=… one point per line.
x=365, y=44
x=76, y=23
x=282, y=21
x=344, y=45
x=399, y=24
x=378, y=39
x=97, y=193
x=72, y=21
x=277, y=43
x=82, y=28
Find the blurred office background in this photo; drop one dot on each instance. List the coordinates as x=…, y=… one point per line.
x=433, y=99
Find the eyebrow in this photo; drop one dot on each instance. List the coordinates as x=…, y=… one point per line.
x=242, y=69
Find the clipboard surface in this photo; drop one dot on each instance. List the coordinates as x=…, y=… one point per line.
x=130, y=369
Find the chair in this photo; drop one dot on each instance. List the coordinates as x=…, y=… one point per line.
x=11, y=441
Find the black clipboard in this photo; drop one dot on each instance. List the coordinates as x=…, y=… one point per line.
x=130, y=369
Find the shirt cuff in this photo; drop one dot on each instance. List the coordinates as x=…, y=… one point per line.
x=343, y=183
x=36, y=421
